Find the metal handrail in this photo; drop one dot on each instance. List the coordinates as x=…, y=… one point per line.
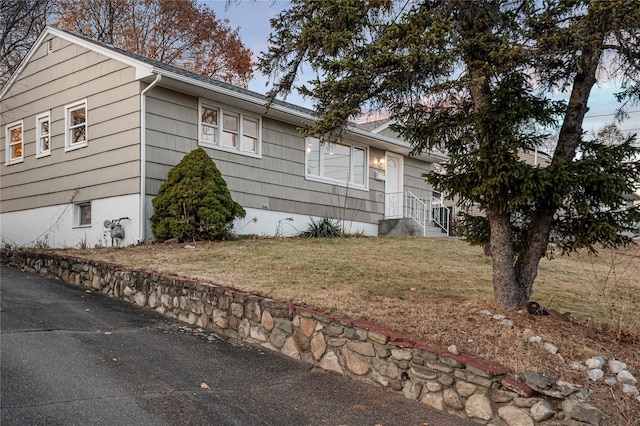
x=421, y=210
x=441, y=214
x=417, y=209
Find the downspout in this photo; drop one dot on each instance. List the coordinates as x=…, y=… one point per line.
x=143, y=159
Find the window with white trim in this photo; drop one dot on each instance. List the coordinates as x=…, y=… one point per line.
x=43, y=135
x=336, y=162
x=75, y=120
x=15, y=142
x=82, y=214
x=229, y=130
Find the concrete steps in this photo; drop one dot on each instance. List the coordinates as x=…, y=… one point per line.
x=406, y=227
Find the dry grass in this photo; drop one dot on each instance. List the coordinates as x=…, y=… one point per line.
x=433, y=289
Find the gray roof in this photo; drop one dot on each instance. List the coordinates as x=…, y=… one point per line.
x=194, y=76
x=372, y=125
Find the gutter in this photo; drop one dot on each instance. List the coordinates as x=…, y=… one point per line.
x=301, y=115
x=143, y=158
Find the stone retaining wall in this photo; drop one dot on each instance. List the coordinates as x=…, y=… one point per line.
x=472, y=388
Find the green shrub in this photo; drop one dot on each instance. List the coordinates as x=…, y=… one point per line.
x=194, y=202
x=323, y=228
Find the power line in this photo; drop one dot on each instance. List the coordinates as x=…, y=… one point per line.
x=608, y=115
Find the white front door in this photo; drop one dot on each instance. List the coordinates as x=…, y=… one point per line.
x=393, y=199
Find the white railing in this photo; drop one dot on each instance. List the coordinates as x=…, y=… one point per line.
x=441, y=214
x=418, y=210
x=423, y=211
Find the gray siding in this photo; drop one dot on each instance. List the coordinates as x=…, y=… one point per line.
x=109, y=165
x=276, y=181
x=413, y=179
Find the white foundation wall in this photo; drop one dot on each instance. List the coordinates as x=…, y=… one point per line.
x=282, y=224
x=270, y=223
x=53, y=226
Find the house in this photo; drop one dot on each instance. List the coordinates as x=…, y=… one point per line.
x=90, y=132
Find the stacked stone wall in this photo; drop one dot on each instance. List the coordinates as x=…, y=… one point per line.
x=472, y=388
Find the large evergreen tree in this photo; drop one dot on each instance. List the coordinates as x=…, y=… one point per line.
x=473, y=78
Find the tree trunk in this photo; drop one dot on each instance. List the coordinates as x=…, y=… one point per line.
x=506, y=290
x=526, y=268
x=537, y=241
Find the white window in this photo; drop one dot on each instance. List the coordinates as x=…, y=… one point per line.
x=335, y=162
x=15, y=142
x=229, y=130
x=82, y=214
x=76, y=125
x=43, y=135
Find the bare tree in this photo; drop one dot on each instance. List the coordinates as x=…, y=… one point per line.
x=177, y=32
x=21, y=22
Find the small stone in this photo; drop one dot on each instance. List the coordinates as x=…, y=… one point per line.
x=267, y=321
x=140, y=298
x=237, y=310
x=542, y=410
x=387, y=369
x=356, y=363
x=290, y=349
x=507, y=322
x=550, y=347
x=535, y=339
x=411, y=390
x=244, y=328
x=527, y=331
x=422, y=373
x=629, y=390
x=308, y=326
x=284, y=325
x=611, y=381
x=583, y=412
x=465, y=389
x=537, y=380
x=566, y=388
x=453, y=349
x=514, y=416
x=434, y=386
x=219, y=318
x=626, y=377
x=593, y=363
x=318, y=346
x=379, y=378
x=478, y=407
x=525, y=402
x=499, y=396
x=259, y=334
x=575, y=365
x=595, y=374
x=278, y=337
x=616, y=366
x=362, y=348
x=433, y=400
x=498, y=316
x=301, y=341
x=330, y=363
x=445, y=379
x=401, y=354
x=485, y=312
x=452, y=399
x=337, y=341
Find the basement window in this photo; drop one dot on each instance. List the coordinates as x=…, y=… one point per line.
x=82, y=214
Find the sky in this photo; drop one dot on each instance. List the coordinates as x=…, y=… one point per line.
x=252, y=20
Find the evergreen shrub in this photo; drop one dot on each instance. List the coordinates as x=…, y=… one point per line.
x=194, y=202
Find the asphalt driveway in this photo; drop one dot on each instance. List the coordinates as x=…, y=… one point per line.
x=74, y=357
